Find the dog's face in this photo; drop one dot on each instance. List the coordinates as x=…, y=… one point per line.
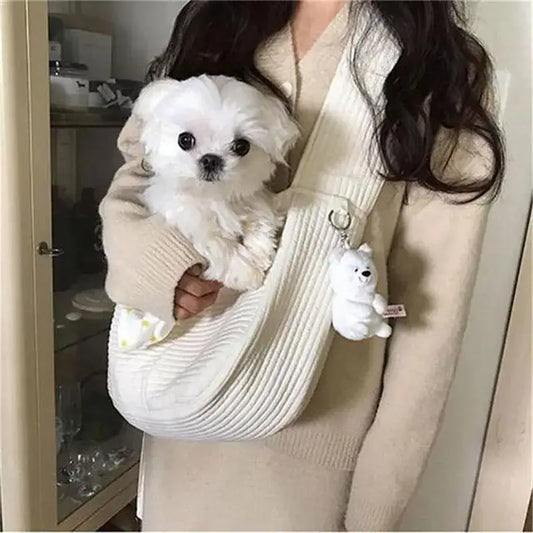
x=213, y=136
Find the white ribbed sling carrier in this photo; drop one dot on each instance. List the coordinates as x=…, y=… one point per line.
x=248, y=367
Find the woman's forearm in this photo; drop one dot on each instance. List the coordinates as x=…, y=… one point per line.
x=146, y=258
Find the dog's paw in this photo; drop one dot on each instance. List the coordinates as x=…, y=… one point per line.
x=243, y=276
x=260, y=249
x=260, y=253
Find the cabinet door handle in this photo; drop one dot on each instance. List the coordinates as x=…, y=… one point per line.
x=44, y=249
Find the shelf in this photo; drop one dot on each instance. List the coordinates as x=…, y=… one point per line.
x=89, y=118
x=104, y=506
x=68, y=333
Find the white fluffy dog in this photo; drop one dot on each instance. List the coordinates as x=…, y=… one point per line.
x=212, y=143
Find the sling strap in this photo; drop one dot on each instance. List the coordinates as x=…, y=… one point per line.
x=247, y=367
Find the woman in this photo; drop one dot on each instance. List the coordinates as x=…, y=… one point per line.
x=352, y=460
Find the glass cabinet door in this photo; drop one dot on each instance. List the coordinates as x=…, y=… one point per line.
x=94, y=445
x=68, y=460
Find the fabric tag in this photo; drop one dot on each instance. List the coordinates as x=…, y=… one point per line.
x=395, y=311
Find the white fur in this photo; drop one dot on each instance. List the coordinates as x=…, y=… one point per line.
x=231, y=222
x=357, y=310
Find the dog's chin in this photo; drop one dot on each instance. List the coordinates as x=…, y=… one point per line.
x=215, y=187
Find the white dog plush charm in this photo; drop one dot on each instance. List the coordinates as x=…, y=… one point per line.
x=357, y=310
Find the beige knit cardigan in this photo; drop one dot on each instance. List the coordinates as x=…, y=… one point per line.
x=378, y=404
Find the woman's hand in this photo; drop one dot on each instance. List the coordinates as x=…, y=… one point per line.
x=194, y=294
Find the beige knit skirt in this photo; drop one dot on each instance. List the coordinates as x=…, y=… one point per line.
x=214, y=486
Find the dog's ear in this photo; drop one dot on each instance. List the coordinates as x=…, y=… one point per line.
x=151, y=96
x=145, y=109
x=284, y=129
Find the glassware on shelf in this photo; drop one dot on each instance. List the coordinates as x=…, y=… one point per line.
x=119, y=456
x=68, y=409
x=94, y=464
x=90, y=467
x=87, y=483
x=94, y=301
x=59, y=434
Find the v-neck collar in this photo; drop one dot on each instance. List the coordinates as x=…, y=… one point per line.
x=277, y=57
x=339, y=18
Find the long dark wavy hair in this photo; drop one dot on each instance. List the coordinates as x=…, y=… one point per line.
x=440, y=80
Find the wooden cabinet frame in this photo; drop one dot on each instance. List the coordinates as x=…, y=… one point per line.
x=27, y=418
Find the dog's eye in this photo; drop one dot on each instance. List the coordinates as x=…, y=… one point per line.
x=240, y=147
x=356, y=270
x=186, y=140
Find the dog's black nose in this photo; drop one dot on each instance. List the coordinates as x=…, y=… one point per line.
x=365, y=273
x=211, y=163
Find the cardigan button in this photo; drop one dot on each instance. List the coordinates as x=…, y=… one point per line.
x=286, y=89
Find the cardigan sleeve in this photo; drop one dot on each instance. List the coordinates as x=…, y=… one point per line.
x=431, y=270
x=145, y=257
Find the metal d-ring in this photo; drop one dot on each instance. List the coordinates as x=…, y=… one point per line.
x=341, y=230
x=335, y=225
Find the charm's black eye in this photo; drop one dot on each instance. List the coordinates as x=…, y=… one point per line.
x=240, y=147
x=186, y=140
